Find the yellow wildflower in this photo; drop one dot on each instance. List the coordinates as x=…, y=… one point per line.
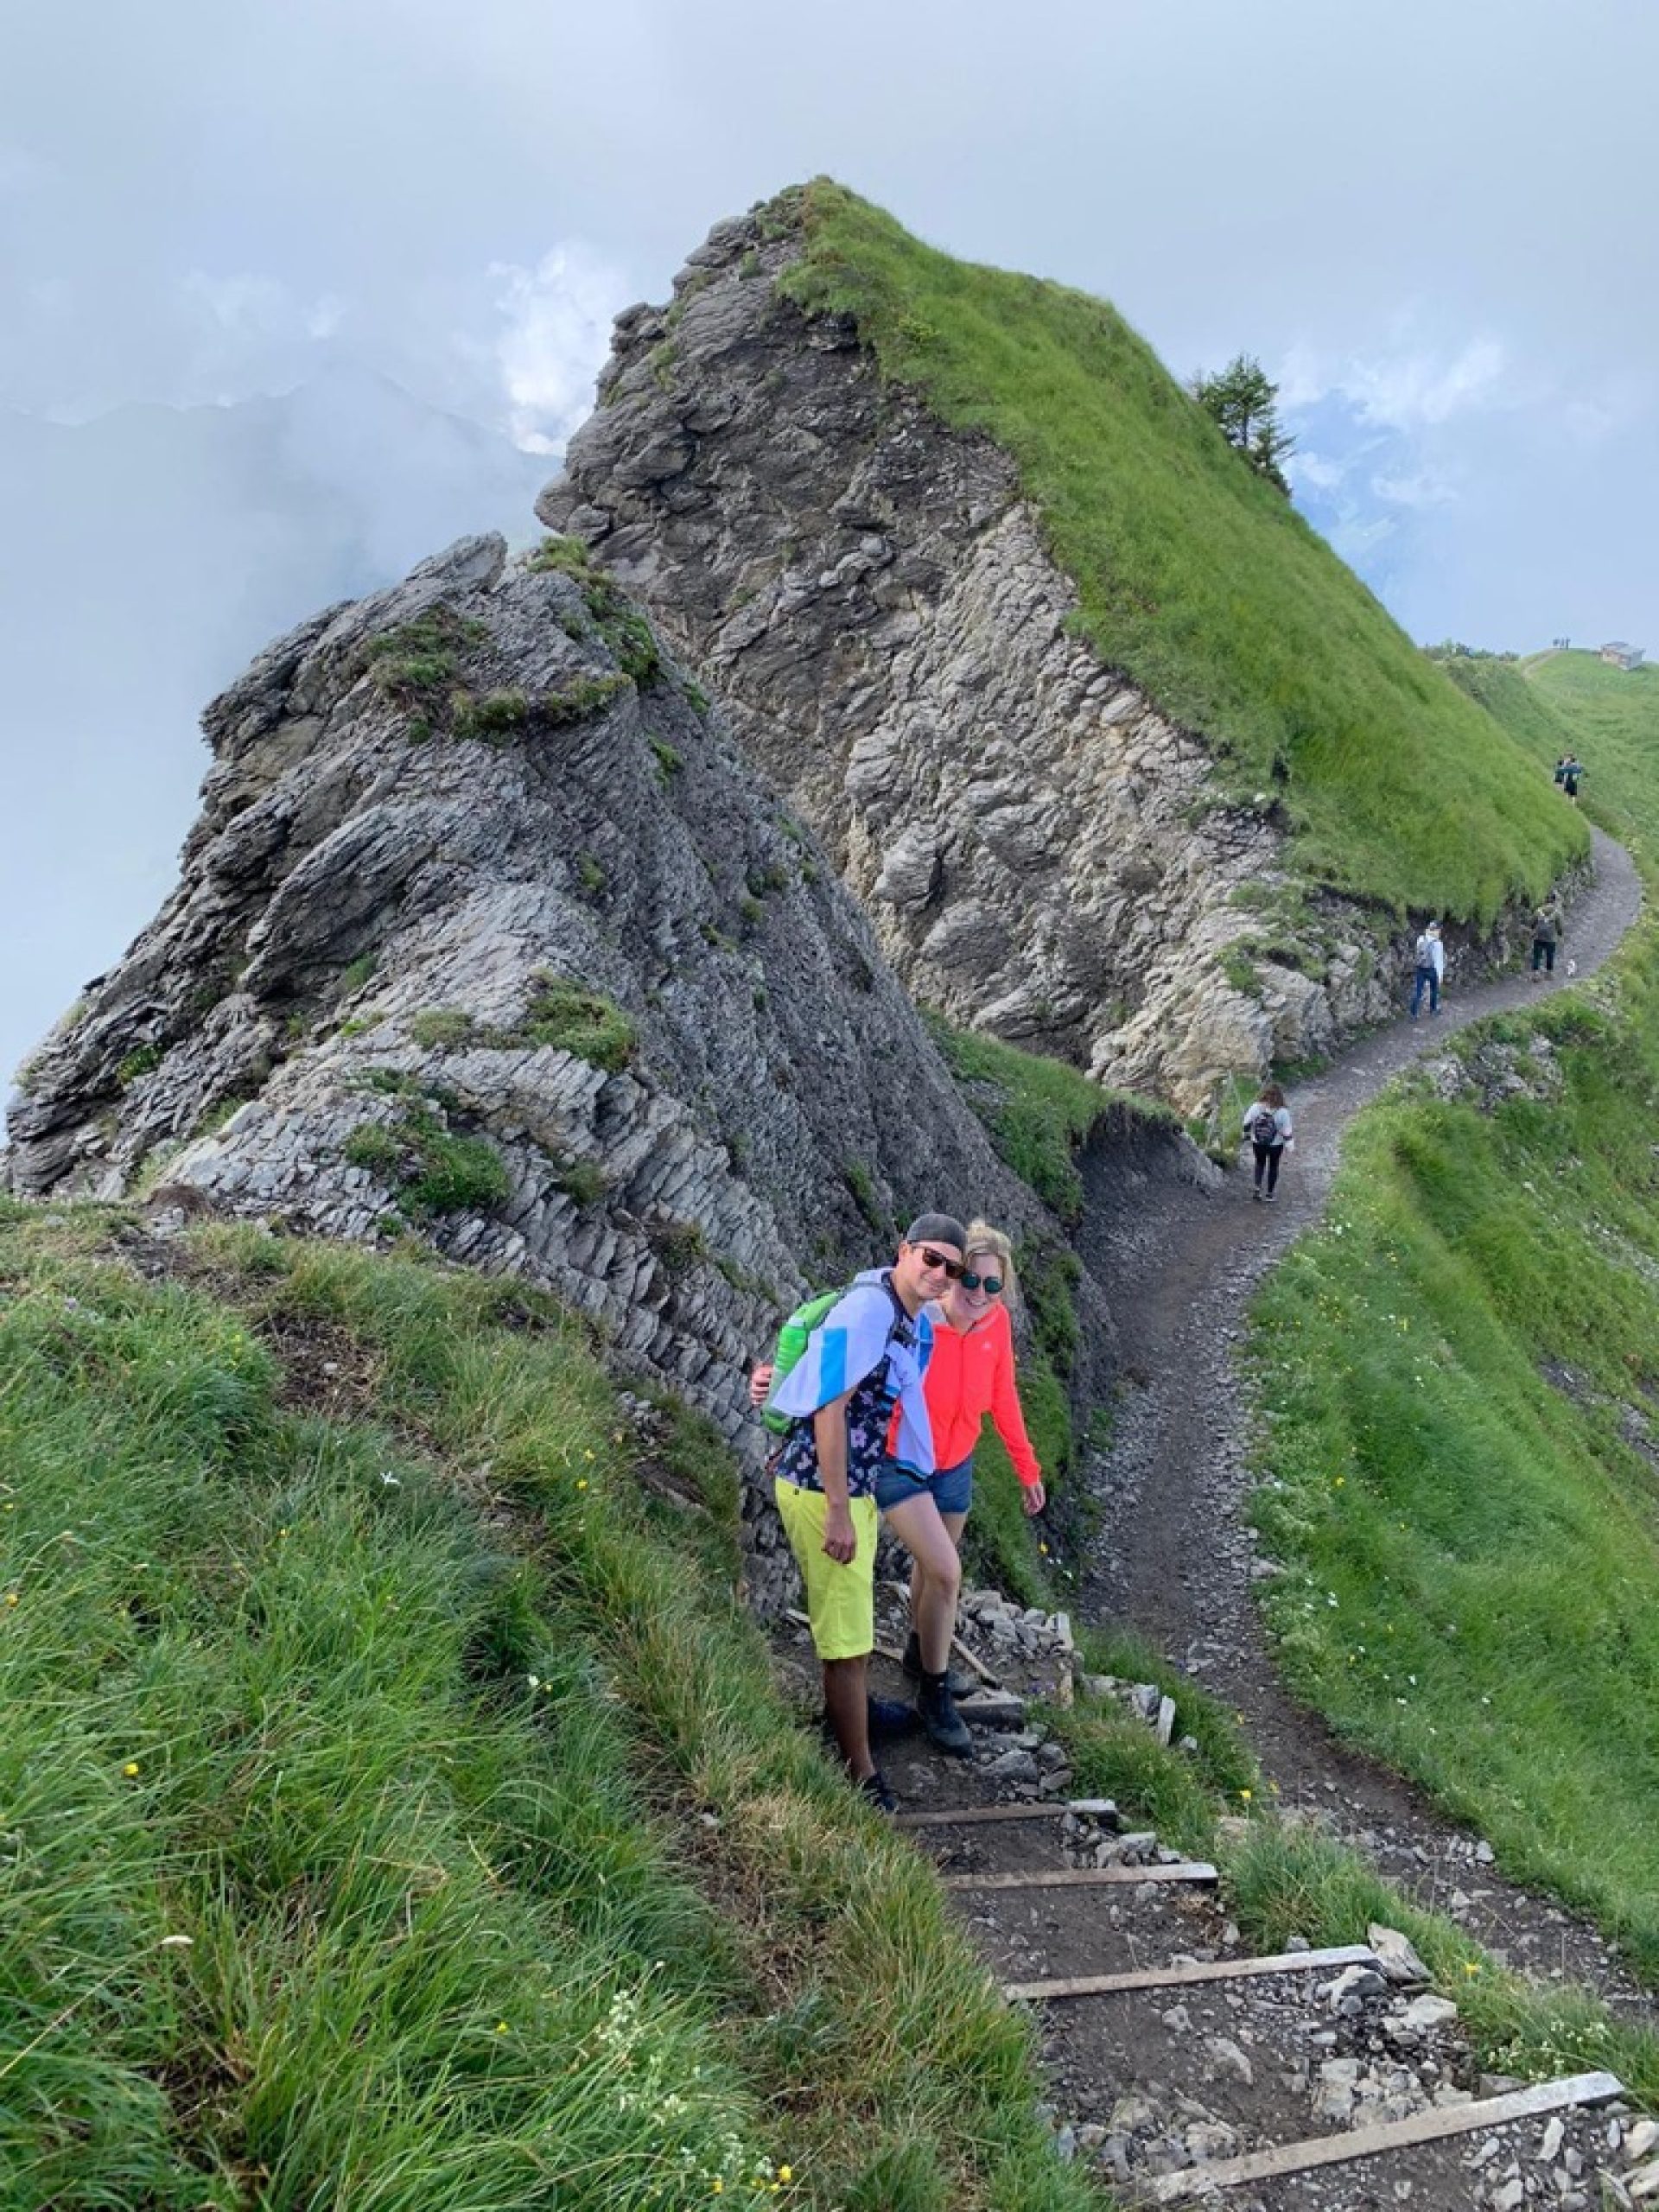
x=131, y=1767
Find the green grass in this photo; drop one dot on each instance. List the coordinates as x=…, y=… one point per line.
x=1039, y=1113
x=433, y=1168
x=1197, y=577
x=414, y=662
x=399, y=1814
x=626, y=633
x=442, y=1029
x=578, y=1020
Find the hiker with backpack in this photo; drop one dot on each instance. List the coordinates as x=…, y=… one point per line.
x=1271, y=1131
x=971, y=1373
x=1546, y=936
x=854, y=1400
x=1431, y=968
x=1572, y=769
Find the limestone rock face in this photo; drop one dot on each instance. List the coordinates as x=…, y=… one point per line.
x=481, y=935
x=1043, y=853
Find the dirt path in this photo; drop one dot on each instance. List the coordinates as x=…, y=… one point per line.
x=1172, y=1556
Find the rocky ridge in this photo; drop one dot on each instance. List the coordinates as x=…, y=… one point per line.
x=1043, y=853
x=487, y=934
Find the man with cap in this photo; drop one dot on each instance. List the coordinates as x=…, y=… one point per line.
x=863, y=1363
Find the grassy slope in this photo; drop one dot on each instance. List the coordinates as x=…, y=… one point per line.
x=1197, y=578
x=396, y=1812
x=1461, y=1370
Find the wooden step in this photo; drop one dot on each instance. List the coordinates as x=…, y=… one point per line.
x=1108, y=1985
x=1084, y=1877
x=992, y=1709
x=975, y=1815
x=1486, y=2112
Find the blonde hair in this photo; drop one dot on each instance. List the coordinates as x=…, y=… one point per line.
x=981, y=1238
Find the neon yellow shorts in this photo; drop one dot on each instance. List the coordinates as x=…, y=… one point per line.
x=840, y=1601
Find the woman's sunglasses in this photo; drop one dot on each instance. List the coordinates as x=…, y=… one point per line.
x=990, y=1284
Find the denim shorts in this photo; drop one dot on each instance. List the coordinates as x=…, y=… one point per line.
x=951, y=1488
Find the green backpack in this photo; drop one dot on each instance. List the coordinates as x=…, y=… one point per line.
x=786, y=1352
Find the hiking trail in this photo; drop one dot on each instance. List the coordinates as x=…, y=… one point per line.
x=1172, y=1556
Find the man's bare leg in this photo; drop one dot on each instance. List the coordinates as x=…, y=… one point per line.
x=846, y=1699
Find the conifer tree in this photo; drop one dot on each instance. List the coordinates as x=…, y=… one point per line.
x=1242, y=402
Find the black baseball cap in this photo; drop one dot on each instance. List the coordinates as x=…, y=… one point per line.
x=936, y=1228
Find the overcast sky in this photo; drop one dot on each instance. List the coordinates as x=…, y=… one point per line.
x=1434, y=223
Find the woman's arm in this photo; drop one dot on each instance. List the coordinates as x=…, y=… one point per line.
x=1009, y=1418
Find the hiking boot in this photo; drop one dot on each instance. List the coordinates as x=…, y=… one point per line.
x=1273, y=1197
x=1256, y=1193
x=960, y=1685
x=945, y=1726
x=888, y=1716
x=873, y=1786
x=891, y=1716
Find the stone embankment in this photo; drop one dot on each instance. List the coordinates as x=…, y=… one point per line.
x=1043, y=852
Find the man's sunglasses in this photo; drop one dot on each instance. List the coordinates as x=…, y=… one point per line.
x=932, y=1259
x=958, y=1273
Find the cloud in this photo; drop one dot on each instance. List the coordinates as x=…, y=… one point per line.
x=1315, y=470
x=1405, y=387
x=558, y=321
x=247, y=331
x=1423, y=487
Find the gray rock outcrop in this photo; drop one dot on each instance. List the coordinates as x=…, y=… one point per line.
x=486, y=933
x=1043, y=854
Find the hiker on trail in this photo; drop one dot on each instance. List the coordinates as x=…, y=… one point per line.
x=1546, y=936
x=1431, y=968
x=1271, y=1131
x=1561, y=771
x=855, y=1406
x=1572, y=769
x=970, y=1373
